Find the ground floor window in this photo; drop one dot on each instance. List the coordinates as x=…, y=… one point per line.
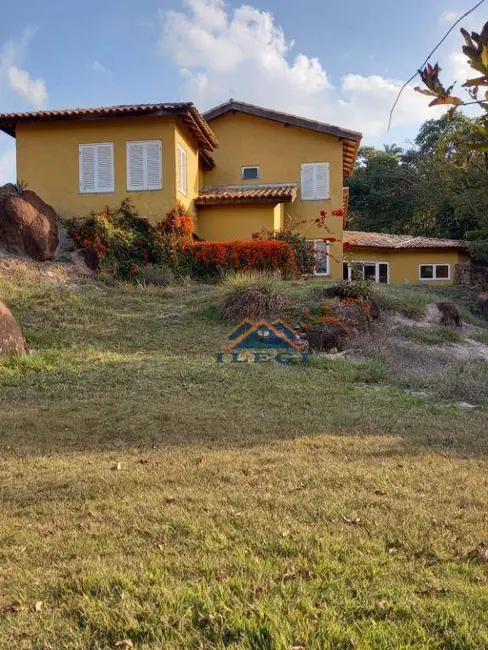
x=321, y=250
x=434, y=271
x=375, y=271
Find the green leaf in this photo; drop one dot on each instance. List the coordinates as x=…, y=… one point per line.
x=477, y=146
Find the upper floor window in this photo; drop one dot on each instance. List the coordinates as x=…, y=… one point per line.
x=435, y=271
x=250, y=173
x=315, y=181
x=96, y=167
x=182, y=169
x=144, y=165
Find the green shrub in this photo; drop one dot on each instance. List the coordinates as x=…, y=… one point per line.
x=302, y=248
x=122, y=239
x=363, y=289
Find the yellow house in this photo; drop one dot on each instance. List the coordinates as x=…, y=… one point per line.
x=82, y=159
x=271, y=169
x=239, y=168
x=402, y=258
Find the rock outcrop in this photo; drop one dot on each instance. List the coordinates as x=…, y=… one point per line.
x=28, y=226
x=12, y=342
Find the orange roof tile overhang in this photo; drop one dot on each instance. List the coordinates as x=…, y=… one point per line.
x=235, y=194
x=351, y=140
x=187, y=111
x=359, y=239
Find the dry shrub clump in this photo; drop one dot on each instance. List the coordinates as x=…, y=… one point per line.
x=253, y=295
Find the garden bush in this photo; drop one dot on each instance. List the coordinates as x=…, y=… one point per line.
x=210, y=258
x=126, y=243
x=363, y=289
x=122, y=239
x=303, y=250
x=252, y=295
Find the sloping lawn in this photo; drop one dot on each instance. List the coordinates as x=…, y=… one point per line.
x=150, y=494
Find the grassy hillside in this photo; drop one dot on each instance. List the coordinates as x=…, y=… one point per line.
x=149, y=493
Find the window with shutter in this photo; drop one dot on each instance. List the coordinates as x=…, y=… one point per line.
x=96, y=168
x=315, y=181
x=144, y=165
x=182, y=170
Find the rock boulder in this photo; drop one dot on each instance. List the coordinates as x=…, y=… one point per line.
x=443, y=313
x=12, y=342
x=28, y=226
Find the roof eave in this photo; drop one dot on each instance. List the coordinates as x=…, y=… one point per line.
x=351, y=139
x=244, y=200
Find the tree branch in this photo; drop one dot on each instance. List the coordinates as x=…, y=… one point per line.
x=451, y=29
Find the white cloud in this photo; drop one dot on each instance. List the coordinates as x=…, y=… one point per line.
x=96, y=66
x=8, y=173
x=242, y=53
x=18, y=79
x=448, y=17
x=34, y=90
x=459, y=68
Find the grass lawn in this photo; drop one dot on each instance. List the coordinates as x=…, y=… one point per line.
x=149, y=493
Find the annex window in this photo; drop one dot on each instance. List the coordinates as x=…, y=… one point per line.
x=250, y=173
x=321, y=251
x=144, y=165
x=435, y=271
x=182, y=169
x=96, y=168
x=315, y=181
x=378, y=272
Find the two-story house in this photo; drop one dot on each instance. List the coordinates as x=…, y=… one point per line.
x=239, y=168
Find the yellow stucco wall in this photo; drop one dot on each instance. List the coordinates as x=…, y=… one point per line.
x=48, y=160
x=404, y=264
x=279, y=151
x=235, y=222
x=183, y=138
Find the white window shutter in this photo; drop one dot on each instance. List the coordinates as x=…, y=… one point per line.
x=182, y=170
x=96, y=168
x=87, y=168
x=308, y=182
x=135, y=166
x=322, y=181
x=144, y=165
x=154, y=172
x=105, y=167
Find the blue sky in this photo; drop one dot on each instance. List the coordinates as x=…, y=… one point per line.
x=340, y=62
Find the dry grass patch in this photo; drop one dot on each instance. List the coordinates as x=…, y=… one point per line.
x=252, y=295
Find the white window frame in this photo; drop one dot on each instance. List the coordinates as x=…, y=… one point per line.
x=127, y=165
x=376, y=272
x=327, y=257
x=316, y=196
x=251, y=167
x=435, y=278
x=181, y=151
x=96, y=189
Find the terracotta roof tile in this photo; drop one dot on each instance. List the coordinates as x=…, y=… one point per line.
x=186, y=110
x=247, y=194
x=383, y=240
